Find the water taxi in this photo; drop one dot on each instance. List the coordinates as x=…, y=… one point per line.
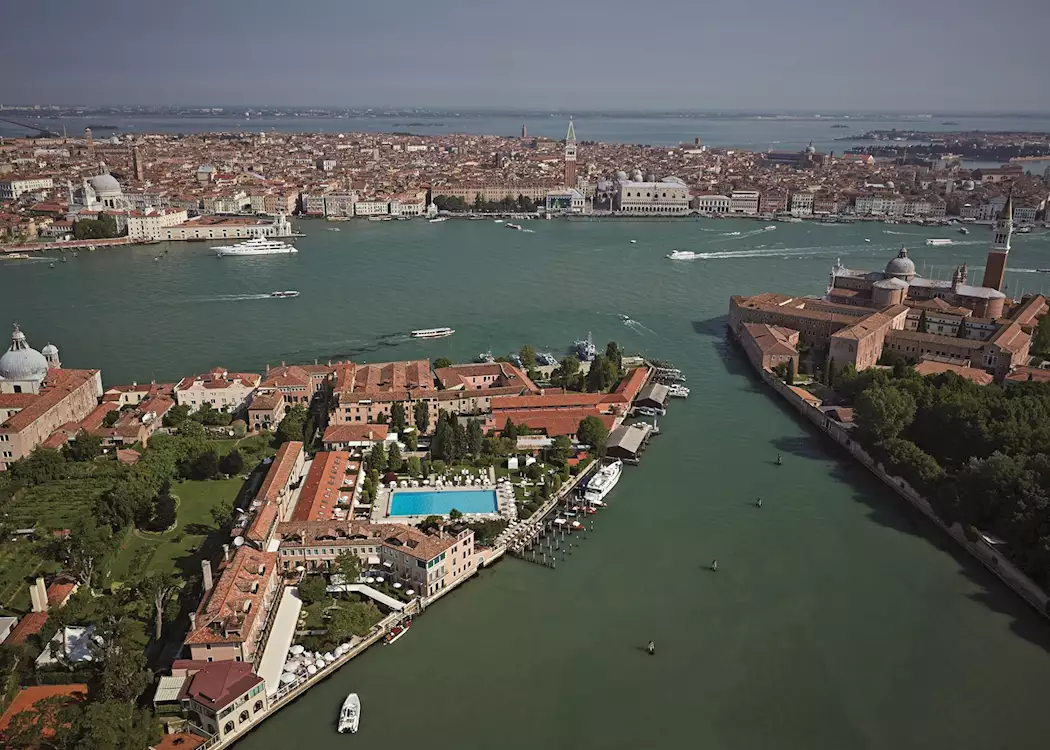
x=431, y=333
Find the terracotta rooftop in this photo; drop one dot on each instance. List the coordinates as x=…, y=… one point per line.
x=57, y=386
x=547, y=401
x=929, y=367
x=228, y=612
x=28, y=696
x=30, y=624
x=354, y=433
x=220, y=683
x=553, y=423
x=407, y=539
x=267, y=401
x=320, y=493
x=278, y=477
x=219, y=378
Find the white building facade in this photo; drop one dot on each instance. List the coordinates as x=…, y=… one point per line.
x=744, y=202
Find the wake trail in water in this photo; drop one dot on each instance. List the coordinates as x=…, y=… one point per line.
x=783, y=252
x=231, y=298
x=634, y=325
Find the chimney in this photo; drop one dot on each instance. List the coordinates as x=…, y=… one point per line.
x=38, y=595
x=193, y=620
x=226, y=552
x=206, y=570
x=267, y=368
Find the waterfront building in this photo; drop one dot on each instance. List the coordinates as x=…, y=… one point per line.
x=150, y=225
x=135, y=425
x=274, y=501
x=99, y=193
x=224, y=390
x=995, y=267
x=569, y=177
x=228, y=228
x=229, y=621
x=802, y=204
x=744, y=202
x=667, y=196
x=358, y=437
x=567, y=201
x=37, y=396
x=12, y=188
x=224, y=698
x=372, y=207
x=769, y=346
x=300, y=384
x=711, y=203
x=424, y=563
x=328, y=490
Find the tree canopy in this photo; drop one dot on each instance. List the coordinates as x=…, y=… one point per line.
x=293, y=426
x=593, y=431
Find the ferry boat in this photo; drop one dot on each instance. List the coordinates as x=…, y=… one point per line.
x=431, y=333
x=285, y=293
x=546, y=358
x=396, y=632
x=350, y=715
x=585, y=348
x=255, y=246
x=603, y=481
x=937, y=242
x=682, y=255
x=677, y=390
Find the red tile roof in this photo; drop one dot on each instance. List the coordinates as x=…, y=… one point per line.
x=220, y=683
x=546, y=401
x=320, y=493
x=228, y=613
x=180, y=741
x=553, y=423
x=29, y=625
x=355, y=433
x=29, y=696
x=929, y=367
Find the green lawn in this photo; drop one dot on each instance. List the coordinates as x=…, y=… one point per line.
x=179, y=550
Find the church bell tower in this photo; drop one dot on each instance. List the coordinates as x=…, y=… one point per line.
x=995, y=267
x=570, y=157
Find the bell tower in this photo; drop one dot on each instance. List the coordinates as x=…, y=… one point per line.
x=995, y=267
x=570, y=157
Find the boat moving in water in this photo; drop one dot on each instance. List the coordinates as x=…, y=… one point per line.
x=285, y=293
x=350, y=715
x=603, y=481
x=938, y=241
x=255, y=246
x=682, y=255
x=431, y=333
x=438, y=219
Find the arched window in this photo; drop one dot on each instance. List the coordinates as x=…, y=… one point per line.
x=244, y=716
x=257, y=707
x=228, y=728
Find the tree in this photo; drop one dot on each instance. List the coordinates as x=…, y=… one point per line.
x=923, y=325
x=962, y=332
x=421, y=415
x=204, y=466
x=790, y=377
x=412, y=465
x=313, y=589
x=176, y=415
x=127, y=500
x=158, y=588
x=533, y=471
x=40, y=466
x=84, y=548
x=377, y=458
x=474, y=437
x=528, y=356
x=1041, y=338
x=454, y=515
x=84, y=447
x=567, y=374
x=559, y=451
x=54, y=716
x=431, y=523
x=232, y=463
x=509, y=430
x=222, y=514
x=348, y=565
x=884, y=411
x=118, y=662
x=293, y=426
x=593, y=431
x=398, y=419
x=394, y=462
x=115, y=725
x=600, y=375
x=917, y=467
x=412, y=440
x=442, y=362
x=615, y=356
x=163, y=516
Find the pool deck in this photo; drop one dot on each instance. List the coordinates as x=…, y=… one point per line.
x=505, y=507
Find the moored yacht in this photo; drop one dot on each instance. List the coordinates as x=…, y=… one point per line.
x=603, y=481
x=255, y=246
x=350, y=714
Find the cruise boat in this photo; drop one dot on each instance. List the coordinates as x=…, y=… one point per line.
x=585, y=349
x=285, y=293
x=937, y=242
x=431, y=333
x=350, y=715
x=603, y=481
x=255, y=246
x=396, y=632
x=682, y=255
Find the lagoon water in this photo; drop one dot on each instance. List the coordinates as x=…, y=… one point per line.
x=837, y=618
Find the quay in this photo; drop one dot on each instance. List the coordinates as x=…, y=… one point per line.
x=75, y=245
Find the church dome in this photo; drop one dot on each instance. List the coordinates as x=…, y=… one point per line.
x=811, y=149
x=891, y=283
x=902, y=265
x=50, y=351
x=105, y=184
x=21, y=362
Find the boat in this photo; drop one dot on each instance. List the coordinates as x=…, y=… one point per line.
x=486, y=357
x=867, y=239
x=396, y=632
x=1026, y=229
x=546, y=359
x=963, y=230
x=1042, y=270
x=677, y=390
x=13, y=256
x=603, y=481
x=732, y=234
x=771, y=227
x=285, y=293
x=585, y=348
x=508, y=225
x=515, y=359
x=497, y=221
x=649, y=411
x=634, y=242
x=255, y=246
x=431, y=333
x=350, y=715
x=938, y=241
x=682, y=255
x=333, y=229
x=438, y=219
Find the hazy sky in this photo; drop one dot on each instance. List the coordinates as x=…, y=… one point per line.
x=914, y=55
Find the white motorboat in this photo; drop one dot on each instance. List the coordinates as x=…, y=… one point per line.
x=677, y=390
x=396, y=632
x=682, y=255
x=350, y=715
x=438, y=220
x=936, y=242
x=771, y=227
x=508, y=225
x=648, y=411
x=546, y=359
x=431, y=333
x=285, y=293
x=255, y=246
x=603, y=481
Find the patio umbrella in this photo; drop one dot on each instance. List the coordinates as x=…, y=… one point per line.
x=288, y=678
x=297, y=649
x=379, y=579
x=397, y=585
x=370, y=579
x=311, y=670
x=410, y=592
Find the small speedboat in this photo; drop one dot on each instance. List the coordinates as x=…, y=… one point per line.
x=350, y=715
x=396, y=632
x=634, y=242
x=867, y=240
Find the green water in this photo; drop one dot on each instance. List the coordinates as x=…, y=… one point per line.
x=835, y=620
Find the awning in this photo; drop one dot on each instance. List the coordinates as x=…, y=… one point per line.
x=373, y=561
x=387, y=565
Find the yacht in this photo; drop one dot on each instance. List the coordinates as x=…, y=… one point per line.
x=937, y=242
x=677, y=390
x=256, y=246
x=603, y=481
x=546, y=359
x=350, y=715
x=585, y=349
x=431, y=333
x=682, y=255
x=285, y=293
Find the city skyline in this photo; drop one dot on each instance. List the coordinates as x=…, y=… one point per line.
x=547, y=56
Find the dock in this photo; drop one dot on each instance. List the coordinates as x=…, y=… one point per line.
x=74, y=245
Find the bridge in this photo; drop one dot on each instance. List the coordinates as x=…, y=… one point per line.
x=43, y=132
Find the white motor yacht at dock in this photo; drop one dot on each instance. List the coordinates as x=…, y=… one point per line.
x=603, y=481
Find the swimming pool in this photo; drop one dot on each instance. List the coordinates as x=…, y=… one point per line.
x=432, y=503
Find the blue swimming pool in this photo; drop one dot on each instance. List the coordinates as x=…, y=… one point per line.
x=431, y=503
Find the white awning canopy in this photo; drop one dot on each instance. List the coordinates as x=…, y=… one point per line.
x=373, y=560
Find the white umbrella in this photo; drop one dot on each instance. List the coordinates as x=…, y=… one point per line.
x=329, y=658
x=292, y=665
x=311, y=670
x=370, y=579
x=379, y=579
x=320, y=664
x=559, y=521
x=297, y=649
x=397, y=585
x=410, y=592
x=288, y=678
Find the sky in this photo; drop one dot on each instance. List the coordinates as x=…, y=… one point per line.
x=731, y=55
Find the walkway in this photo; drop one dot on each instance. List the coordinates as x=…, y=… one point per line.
x=359, y=588
x=281, y=634
x=72, y=245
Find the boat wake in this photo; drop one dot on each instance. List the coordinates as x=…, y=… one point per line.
x=1023, y=270
x=781, y=252
x=232, y=298
x=634, y=325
